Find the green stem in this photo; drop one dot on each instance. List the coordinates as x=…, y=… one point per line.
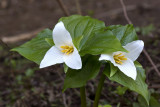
x=83, y=96
x=99, y=89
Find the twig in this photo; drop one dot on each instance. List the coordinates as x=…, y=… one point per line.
x=63, y=7
x=125, y=12
x=78, y=7
x=4, y=45
x=149, y=58
x=21, y=37
x=64, y=100
x=116, y=11
x=149, y=70
x=144, y=51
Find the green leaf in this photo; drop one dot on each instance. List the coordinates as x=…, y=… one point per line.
x=137, y=64
x=137, y=85
x=77, y=41
x=35, y=49
x=65, y=67
x=78, y=78
x=29, y=72
x=81, y=25
x=142, y=103
x=125, y=34
x=49, y=41
x=154, y=102
x=146, y=30
x=102, y=42
x=113, y=69
x=94, y=40
x=121, y=90
x=106, y=105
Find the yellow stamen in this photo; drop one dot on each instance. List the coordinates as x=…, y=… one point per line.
x=119, y=58
x=67, y=49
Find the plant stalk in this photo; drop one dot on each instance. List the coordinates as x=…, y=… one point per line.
x=83, y=97
x=99, y=89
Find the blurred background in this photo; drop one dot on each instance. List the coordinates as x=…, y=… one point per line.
x=23, y=84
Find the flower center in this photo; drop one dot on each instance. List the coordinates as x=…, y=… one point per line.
x=119, y=58
x=67, y=49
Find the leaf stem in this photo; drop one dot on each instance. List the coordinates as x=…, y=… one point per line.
x=99, y=89
x=83, y=96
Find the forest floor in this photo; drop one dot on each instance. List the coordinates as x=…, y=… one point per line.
x=23, y=84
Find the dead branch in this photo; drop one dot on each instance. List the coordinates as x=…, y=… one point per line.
x=125, y=12
x=152, y=68
x=116, y=11
x=4, y=45
x=144, y=51
x=21, y=37
x=63, y=7
x=64, y=100
x=78, y=7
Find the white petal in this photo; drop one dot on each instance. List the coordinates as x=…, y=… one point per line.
x=61, y=36
x=108, y=57
x=128, y=68
x=105, y=57
x=73, y=60
x=134, y=48
x=53, y=56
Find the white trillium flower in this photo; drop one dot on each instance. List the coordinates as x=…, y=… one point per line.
x=125, y=61
x=63, y=51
